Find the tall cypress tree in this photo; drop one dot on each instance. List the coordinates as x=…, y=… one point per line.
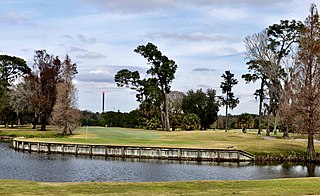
x=226, y=86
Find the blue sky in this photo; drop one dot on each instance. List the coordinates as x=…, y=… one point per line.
x=204, y=38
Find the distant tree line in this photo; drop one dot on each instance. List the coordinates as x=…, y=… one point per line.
x=190, y=121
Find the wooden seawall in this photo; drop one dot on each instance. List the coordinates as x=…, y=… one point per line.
x=217, y=155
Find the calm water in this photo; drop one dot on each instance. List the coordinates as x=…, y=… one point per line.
x=68, y=168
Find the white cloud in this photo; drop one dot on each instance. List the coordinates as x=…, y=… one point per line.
x=91, y=55
x=67, y=36
x=16, y=18
x=202, y=69
x=77, y=49
x=194, y=37
x=140, y=6
x=129, y=6
x=83, y=38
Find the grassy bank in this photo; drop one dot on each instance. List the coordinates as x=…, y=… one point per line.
x=290, y=187
x=28, y=132
x=250, y=142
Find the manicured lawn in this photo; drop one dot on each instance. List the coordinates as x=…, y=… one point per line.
x=284, y=187
x=195, y=139
x=28, y=132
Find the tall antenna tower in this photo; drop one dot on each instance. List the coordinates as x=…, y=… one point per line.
x=103, y=92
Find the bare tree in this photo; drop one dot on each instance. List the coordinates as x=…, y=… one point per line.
x=267, y=53
x=305, y=81
x=20, y=98
x=175, y=99
x=259, y=56
x=65, y=115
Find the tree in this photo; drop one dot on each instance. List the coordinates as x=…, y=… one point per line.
x=229, y=101
x=305, y=81
x=148, y=93
x=281, y=38
x=11, y=68
x=175, y=99
x=282, y=41
x=163, y=69
x=204, y=105
x=245, y=121
x=6, y=111
x=20, y=98
x=65, y=115
x=43, y=82
x=266, y=52
x=155, y=88
x=259, y=60
x=191, y=122
x=89, y=118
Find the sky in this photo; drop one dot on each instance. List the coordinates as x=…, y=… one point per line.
x=204, y=38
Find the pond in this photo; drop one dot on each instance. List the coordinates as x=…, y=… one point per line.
x=69, y=168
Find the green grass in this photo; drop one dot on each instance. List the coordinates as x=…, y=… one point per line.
x=249, y=142
x=28, y=132
x=194, y=139
x=284, y=187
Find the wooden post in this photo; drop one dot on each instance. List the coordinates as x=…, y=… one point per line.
x=22, y=146
x=38, y=145
x=62, y=149
x=218, y=152
x=198, y=156
x=48, y=148
x=76, y=150
x=106, y=151
x=123, y=152
x=29, y=147
x=90, y=147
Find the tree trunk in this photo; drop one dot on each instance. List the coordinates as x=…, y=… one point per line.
x=226, y=117
x=269, y=118
x=166, y=112
x=311, y=154
x=260, y=115
x=275, y=124
x=5, y=122
x=162, y=120
x=35, y=121
x=18, y=119
x=161, y=117
x=268, y=124
x=311, y=168
x=43, y=122
x=260, y=105
x=286, y=131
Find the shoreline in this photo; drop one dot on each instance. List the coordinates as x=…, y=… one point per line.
x=171, y=153
x=255, y=158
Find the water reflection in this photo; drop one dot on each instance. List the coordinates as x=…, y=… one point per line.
x=60, y=168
